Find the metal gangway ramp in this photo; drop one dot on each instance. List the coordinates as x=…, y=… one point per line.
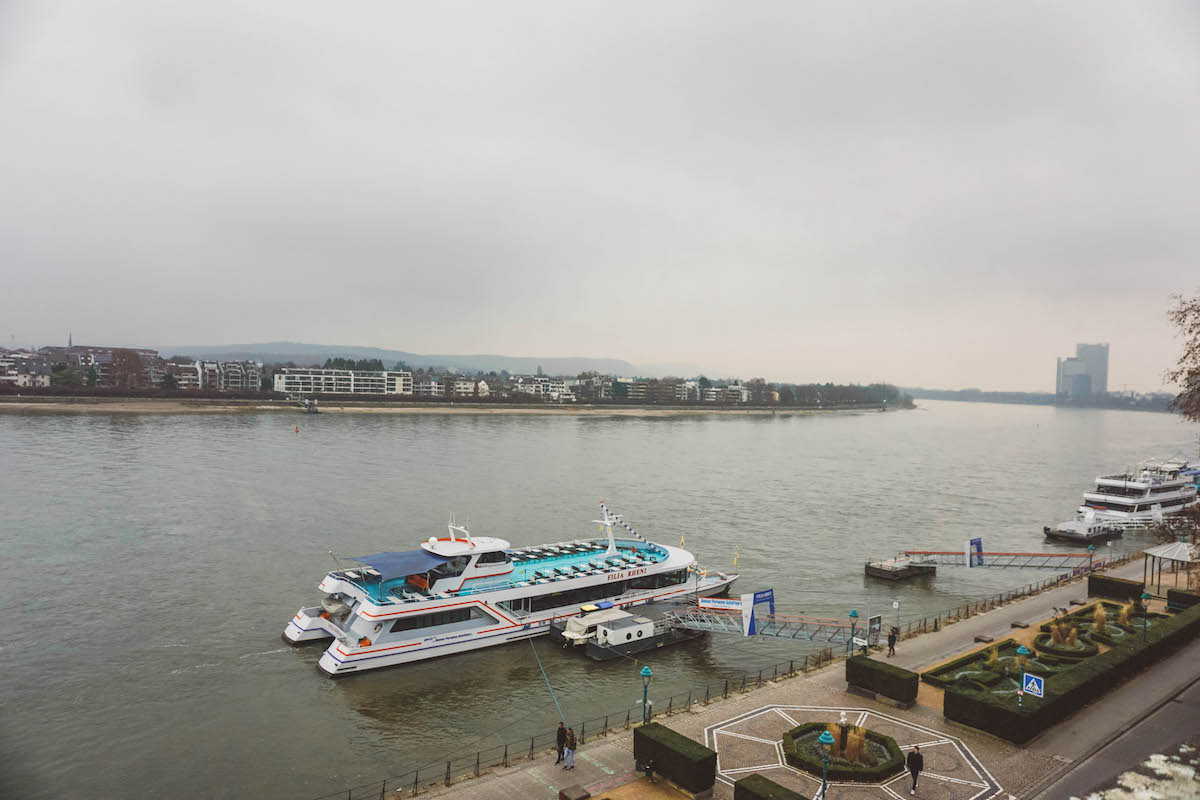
x=957, y=558
x=782, y=626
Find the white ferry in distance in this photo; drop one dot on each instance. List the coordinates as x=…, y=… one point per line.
x=463, y=592
x=1142, y=496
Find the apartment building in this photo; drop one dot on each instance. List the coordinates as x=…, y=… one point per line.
x=305, y=380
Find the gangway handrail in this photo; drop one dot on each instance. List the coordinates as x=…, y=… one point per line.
x=973, y=553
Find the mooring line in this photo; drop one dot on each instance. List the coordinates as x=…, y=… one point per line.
x=547, y=679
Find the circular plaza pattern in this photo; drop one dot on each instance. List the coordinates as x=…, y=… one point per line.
x=752, y=743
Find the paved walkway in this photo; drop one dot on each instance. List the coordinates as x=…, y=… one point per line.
x=606, y=762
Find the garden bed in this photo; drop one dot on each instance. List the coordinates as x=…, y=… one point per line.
x=802, y=751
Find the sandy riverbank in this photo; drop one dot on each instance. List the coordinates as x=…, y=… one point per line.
x=117, y=405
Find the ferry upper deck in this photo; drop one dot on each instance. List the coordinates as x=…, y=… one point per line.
x=530, y=566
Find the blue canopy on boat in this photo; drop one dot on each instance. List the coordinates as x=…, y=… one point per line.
x=398, y=565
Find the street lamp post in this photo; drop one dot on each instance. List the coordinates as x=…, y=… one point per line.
x=826, y=740
x=1022, y=651
x=646, y=676
x=1145, y=614
x=853, y=623
x=1091, y=553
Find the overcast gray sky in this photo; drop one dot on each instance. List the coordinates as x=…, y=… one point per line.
x=932, y=194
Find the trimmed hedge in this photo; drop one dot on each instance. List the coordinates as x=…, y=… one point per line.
x=1044, y=644
x=688, y=764
x=756, y=787
x=1104, y=586
x=934, y=676
x=882, y=678
x=1179, y=599
x=894, y=764
x=1071, y=689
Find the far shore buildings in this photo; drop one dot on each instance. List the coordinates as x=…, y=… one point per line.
x=136, y=369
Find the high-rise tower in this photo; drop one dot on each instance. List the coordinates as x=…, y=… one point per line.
x=1095, y=356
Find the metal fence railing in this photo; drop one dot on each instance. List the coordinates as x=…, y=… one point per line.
x=414, y=782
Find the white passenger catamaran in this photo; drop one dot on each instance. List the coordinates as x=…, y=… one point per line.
x=463, y=592
x=1142, y=496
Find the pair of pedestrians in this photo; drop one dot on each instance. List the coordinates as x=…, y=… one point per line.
x=567, y=745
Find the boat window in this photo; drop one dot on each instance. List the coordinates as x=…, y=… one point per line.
x=438, y=618
x=452, y=568
x=497, y=557
x=577, y=597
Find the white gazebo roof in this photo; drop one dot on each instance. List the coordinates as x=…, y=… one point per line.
x=1174, y=551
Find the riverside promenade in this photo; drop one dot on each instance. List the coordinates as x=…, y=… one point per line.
x=605, y=763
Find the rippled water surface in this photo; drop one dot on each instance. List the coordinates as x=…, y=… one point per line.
x=151, y=563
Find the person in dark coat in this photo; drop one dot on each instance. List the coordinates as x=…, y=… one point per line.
x=892, y=641
x=569, y=749
x=561, y=742
x=915, y=763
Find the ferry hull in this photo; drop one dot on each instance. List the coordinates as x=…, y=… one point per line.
x=1082, y=538
x=307, y=626
x=341, y=659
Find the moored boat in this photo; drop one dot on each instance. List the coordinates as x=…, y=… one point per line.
x=1084, y=530
x=464, y=592
x=1142, y=496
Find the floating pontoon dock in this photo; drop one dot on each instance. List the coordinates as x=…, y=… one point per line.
x=926, y=562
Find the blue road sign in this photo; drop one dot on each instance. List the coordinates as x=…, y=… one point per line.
x=1033, y=684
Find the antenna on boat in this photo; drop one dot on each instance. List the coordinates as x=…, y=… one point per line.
x=606, y=524
x=335, y=560
x=460, y=529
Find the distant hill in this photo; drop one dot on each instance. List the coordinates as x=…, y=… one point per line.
x=307, y=354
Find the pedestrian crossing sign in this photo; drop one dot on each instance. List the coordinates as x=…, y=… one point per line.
x=1033, y=684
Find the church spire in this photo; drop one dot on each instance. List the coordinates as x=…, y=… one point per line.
x=69, y=342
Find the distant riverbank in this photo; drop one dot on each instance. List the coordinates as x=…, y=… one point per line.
x=144, y=405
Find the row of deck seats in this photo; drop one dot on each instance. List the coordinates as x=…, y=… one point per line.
x=555, y=551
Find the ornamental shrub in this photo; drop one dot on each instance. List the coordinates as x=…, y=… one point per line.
x=882, y=678
x=756, y=787
x=801, y=757
x=686, y=763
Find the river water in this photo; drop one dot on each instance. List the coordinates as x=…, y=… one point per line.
x=151, y=563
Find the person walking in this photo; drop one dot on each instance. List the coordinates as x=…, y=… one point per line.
x=892, y=642
x=915, y=763
x=561, y=742
x=569, y=749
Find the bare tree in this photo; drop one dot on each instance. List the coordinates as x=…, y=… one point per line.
x=1184, y=315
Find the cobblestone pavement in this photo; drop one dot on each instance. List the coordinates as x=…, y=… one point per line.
x=751, y=743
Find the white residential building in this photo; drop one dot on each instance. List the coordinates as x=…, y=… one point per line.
x=25, y=380
x=302, y=380
x=430, y=389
